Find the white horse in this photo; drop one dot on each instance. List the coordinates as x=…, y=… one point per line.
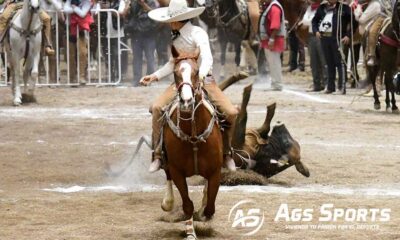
x=25, y=40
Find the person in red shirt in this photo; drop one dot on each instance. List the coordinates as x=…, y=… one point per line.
x=272, y=34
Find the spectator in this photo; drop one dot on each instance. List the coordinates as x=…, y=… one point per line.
x=80, y=21
x=143, y=33
x=326, y=27
x=296, y=51
x=319, y=69
x=110, y=34
x=272, y=33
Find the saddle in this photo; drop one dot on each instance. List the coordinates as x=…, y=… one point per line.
x=385, y=39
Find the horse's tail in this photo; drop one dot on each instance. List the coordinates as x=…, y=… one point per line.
x=112, y=173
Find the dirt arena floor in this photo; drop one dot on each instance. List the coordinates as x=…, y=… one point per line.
x=53, y=154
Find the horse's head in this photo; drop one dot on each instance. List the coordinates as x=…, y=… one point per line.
x=186, y=74
x=34, y=5
x=212, y=8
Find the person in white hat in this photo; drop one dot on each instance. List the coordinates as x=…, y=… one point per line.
x=188, y=38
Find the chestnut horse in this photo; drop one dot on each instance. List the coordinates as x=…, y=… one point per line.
x=192, y=141
x=387, y=56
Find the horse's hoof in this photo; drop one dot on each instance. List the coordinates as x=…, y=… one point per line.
x=167, y=205
x=17, y=102
x=199, y=215
x=396, y=111
x=388, y=110
x=377, y=106
x=190, y=237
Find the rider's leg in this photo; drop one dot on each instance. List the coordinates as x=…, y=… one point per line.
x=5, y=17
x=225, y=106
x=157, y=125
x=373, y=35
x=46, y=20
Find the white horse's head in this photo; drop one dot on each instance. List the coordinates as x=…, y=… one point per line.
x=34, y=5
x=186, y=75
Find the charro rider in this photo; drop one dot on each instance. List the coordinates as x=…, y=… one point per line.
x=188, y=38
x=9, y=12
x=370, y=20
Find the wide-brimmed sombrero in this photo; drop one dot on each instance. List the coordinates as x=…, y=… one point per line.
x=177, y=10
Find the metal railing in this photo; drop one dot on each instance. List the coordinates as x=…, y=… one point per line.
x=99, y=76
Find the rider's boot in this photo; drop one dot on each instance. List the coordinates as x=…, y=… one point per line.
x=229, y=163
x=155, y=165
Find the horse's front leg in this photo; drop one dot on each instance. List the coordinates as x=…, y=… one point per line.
x=200, y=213
x=15, y=83
x=187, y=204
x=212, y=190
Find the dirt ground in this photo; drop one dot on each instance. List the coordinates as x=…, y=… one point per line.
x=65, y=139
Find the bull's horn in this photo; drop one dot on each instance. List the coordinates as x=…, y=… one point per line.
x=301, y=168
x=264, y=129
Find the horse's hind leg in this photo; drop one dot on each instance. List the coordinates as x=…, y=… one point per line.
x=373, y=73
x=168, y=200
x=388, y=90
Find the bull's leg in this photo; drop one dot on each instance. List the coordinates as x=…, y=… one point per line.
x=168, y=200
x=187, y=204
x=264, y=130
x=232, y=80
x=240, y=126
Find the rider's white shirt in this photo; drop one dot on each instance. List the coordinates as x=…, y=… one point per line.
x=191, y=37
x=367, y=17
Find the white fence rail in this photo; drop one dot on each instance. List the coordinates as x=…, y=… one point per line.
x=58, y=70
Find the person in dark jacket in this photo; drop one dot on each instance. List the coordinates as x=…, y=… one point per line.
x=331, y=24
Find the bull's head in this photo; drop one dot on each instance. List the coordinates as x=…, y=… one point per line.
x=281, y=151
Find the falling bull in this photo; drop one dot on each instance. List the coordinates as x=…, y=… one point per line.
x=256, y=149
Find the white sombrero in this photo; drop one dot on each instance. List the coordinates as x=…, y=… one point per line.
x=177, y=10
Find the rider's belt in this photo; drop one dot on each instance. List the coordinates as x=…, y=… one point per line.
x=326, y=34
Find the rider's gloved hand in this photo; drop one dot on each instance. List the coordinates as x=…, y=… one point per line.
x=146, y=80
